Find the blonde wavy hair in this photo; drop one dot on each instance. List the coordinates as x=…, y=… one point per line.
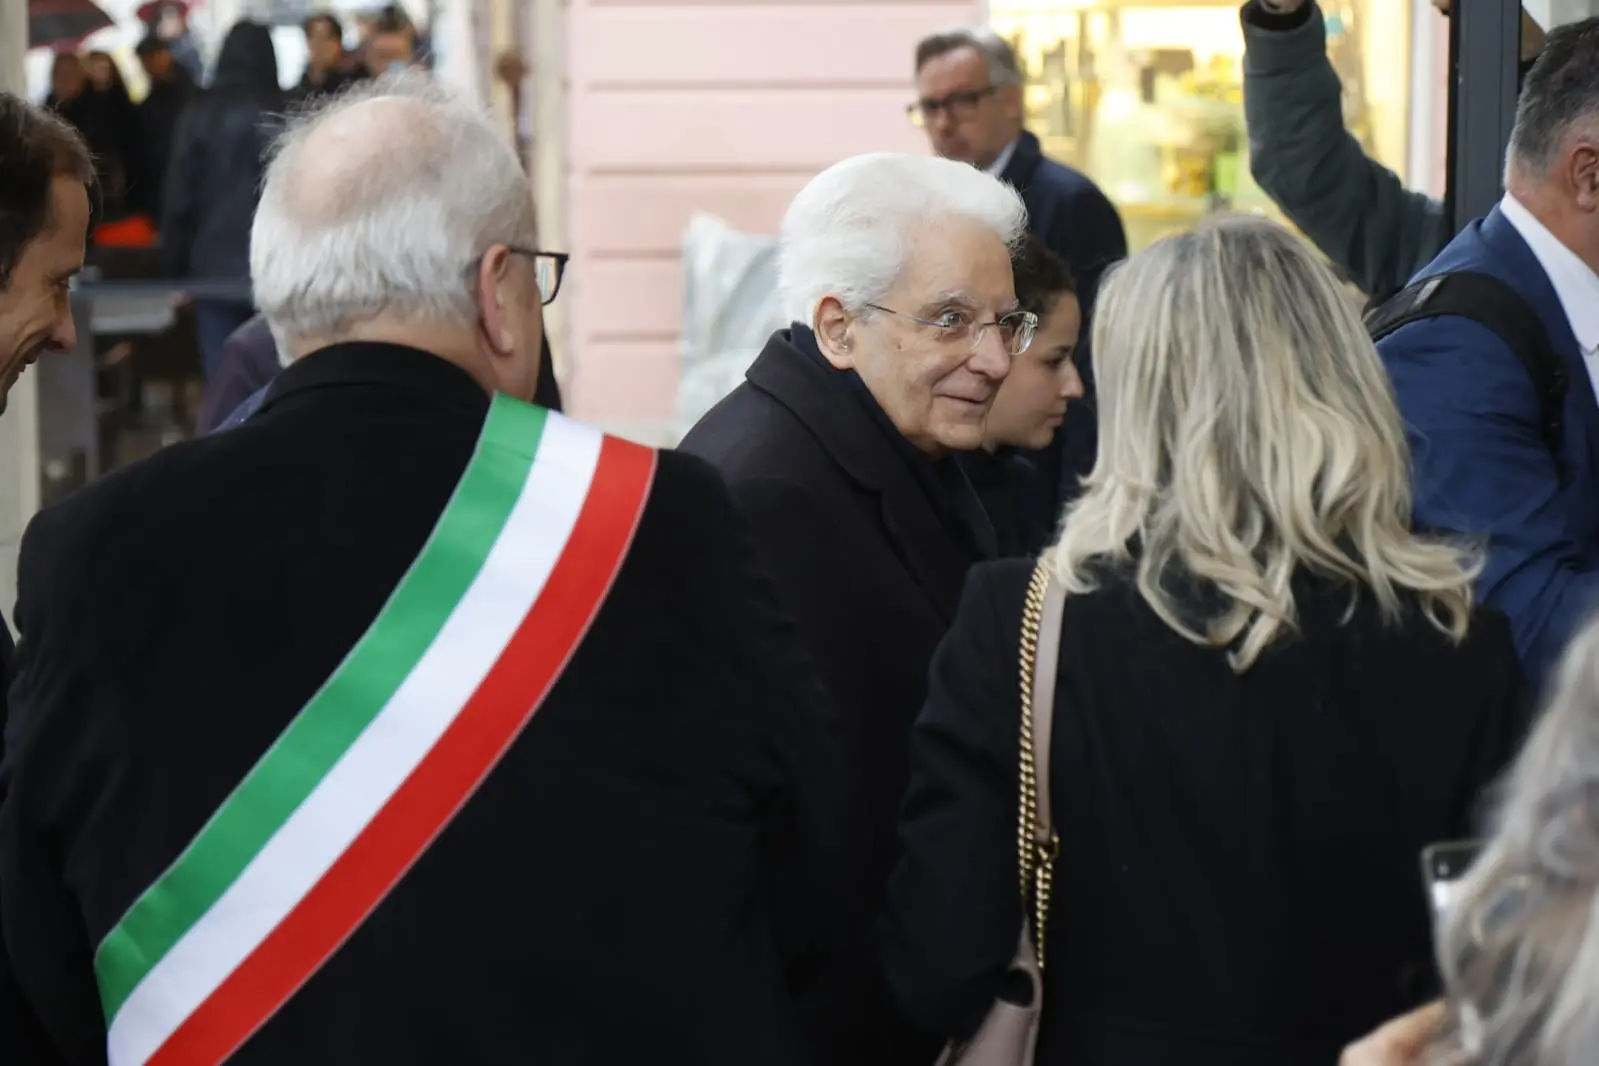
x=1519, y=947
x=1248, y=430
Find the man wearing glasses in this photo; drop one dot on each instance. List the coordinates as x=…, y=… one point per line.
x=969, y=101
x=840, y=446
x=409, y=723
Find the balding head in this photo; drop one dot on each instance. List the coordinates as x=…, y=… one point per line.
x=378, y=207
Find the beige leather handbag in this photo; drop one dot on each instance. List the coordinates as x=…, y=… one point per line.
x=1009, y=1033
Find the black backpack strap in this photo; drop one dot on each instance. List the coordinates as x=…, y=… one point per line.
x=1493, y=304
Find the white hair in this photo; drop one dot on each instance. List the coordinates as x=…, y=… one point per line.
x=383, y=211
x=847, y=232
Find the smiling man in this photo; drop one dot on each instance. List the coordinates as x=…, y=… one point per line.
x=895, y=271
x=45, y=174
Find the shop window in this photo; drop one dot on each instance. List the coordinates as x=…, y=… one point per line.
x=1146, y=97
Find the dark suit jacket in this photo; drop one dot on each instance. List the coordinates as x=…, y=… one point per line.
x=873, y=575
x=1481, y=465
x=1238, y=881
x=643, y=878
x=249, y=363
x=1076, y=221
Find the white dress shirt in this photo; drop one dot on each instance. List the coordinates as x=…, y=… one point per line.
x=1001, y=161
x=1574, y=281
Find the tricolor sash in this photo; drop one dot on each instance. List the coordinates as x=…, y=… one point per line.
x=375, y=766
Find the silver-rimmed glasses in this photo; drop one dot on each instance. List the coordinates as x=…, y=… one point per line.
x=1016, y=329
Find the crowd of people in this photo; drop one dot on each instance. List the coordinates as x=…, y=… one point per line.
x=405, y=720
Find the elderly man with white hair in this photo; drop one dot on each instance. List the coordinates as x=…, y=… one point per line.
x=409, y=723
x=896, y=271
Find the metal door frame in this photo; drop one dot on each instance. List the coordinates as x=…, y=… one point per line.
x=1484, y=57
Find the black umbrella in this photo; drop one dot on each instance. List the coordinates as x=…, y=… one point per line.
x=58, y=22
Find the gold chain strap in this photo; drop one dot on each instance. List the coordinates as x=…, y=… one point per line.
x=1036, y=859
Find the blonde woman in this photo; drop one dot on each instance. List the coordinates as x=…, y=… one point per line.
x=1272, y=694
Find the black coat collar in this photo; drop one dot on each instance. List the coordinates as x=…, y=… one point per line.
x=821, y=398
x=419, y=374
x=1023, y=163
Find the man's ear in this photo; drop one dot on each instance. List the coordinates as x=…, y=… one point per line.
x=832, y=327
x=1582, y=170
x=491, y=295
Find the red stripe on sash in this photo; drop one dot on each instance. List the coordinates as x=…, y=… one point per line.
x=445, y=779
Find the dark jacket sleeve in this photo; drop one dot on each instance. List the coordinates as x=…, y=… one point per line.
x=952, y=917
x=809, y=869
x=1482, y=469
x=1501, y=727
x=1353, y=208
x=53, y=1018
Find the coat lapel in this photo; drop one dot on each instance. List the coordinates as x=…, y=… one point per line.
x=823, y=401
x=1513, y=251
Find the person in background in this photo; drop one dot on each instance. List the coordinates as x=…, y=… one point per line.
x=1249, y=626
x=44, y=227
x=214, y=182
x=160, y=112
x=969, y=100
x=170, y=22
x=74, y=97
x=895, y=271
x=644, y=870
x=1030, y=406
x=1485, y=465
x=391, y=43
x=328, y=67
x=1355, y=210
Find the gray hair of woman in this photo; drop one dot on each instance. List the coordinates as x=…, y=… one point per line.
x=1519, y=947
x=1247, y=430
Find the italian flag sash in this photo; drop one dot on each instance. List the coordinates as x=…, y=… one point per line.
x=395, y=742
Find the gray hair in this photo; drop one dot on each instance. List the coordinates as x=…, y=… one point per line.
x=1519, y=948
x=1560, y=96
x=847, y=232
x=998, y=56
x=383, y=211
x=1247, y=429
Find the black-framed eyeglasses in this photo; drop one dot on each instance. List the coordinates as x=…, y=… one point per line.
x=1016, y=329
x=548, y=267
x=959, y=105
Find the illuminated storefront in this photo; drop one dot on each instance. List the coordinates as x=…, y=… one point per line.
x=1146, y=96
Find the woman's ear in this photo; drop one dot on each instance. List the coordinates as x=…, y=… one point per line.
x=833, y=326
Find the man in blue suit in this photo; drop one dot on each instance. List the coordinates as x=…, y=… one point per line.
x=969, y=100
x=1485, y=463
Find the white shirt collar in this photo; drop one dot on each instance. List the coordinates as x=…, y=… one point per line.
x=1574, y=281
x=997, y=167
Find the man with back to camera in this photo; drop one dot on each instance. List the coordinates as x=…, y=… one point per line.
x=1495, y=455
x=408, y=723
x=45, y=175
x=969, y=100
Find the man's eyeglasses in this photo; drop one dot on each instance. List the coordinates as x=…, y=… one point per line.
x=1016, y=329
x=960, y=105
x=548, y=267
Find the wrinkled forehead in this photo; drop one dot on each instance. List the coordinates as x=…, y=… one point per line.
x=955, y=263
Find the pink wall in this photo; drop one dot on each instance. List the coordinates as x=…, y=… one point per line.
x=720, y=107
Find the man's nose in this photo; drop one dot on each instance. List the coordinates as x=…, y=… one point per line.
x=991, y=358
x=63, y=332
x=940, y=120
